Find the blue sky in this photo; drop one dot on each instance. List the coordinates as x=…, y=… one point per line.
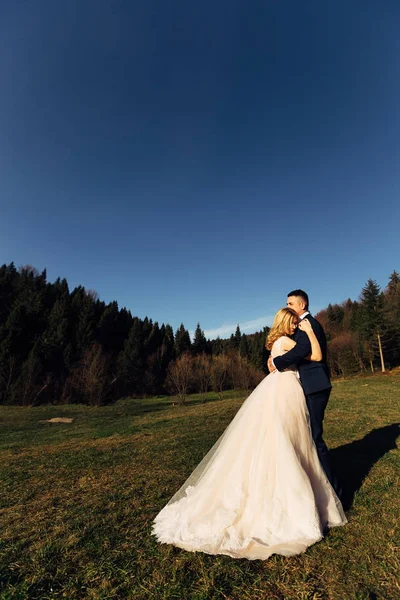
x=197, y=161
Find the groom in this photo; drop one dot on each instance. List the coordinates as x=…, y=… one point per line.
x=314, y=377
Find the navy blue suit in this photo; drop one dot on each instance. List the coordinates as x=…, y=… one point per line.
x=314, y=377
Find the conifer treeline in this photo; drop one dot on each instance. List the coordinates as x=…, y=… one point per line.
x=364, y=335
x=60, y=346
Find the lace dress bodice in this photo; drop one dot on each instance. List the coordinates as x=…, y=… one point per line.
x=277, y=350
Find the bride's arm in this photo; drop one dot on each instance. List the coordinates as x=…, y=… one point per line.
x=287, y=344
x=316, y=352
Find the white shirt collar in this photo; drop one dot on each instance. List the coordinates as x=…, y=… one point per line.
x=303, y=316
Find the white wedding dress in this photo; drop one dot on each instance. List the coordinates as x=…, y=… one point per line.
x=261, y=489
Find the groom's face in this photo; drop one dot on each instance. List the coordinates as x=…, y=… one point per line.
x=296, y=303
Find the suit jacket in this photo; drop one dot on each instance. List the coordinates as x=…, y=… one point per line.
x=314, y=376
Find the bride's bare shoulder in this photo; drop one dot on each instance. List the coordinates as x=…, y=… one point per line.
x=287, y=343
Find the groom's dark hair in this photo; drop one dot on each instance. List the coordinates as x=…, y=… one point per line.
x=301, y=294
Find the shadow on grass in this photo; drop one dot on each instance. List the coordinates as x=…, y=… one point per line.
x=352, y=462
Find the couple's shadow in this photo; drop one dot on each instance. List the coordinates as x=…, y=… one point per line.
x=352, y=462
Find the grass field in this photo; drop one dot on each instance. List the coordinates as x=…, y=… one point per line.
x=77, y=501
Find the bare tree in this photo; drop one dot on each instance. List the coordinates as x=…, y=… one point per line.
x=8, y=373
x=180, y=375
x=380, y=351
x=92, y=294
x=29, y=378
x=243, y=375
x=220, y=373
x=28, y=269
x=202, y=374
x=235, y=369
x=344, y=356
x=90, y=378
x=256, y=376
x=41, y=389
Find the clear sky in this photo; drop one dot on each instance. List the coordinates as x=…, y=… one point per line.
x=197, y=161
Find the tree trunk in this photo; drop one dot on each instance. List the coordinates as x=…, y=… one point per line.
x=370, y=359
x=12, y=365
x=46, y=385
x=358, y=359
x=380, y=352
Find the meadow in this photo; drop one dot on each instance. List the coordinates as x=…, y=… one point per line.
x=77, y=501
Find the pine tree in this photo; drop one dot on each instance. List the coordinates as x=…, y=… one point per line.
x=244, y=349
x=335, y=316
x=29, y=384
x=108, y=329
x=392, y=316
x=9, y=366
x=238, y=337
x=394, y=283
x=83, y=307
x=232, y=342
x=155, y=368
x=147, y=327
x=372, y=318
x=8, y=278
x=131, y=362
x=258, y=354
x=56, y=340
x=209, y=347
x=182, y=341
x=216, y=346
x=169, y=342
x=199, y=343
x=166, y=351
x=125, y=324
x=154, y=340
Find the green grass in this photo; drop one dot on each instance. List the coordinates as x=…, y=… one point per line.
x=77, y=502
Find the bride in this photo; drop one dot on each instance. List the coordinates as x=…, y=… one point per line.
x=261, y=489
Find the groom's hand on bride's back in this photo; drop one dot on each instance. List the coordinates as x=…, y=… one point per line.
x=271, y=366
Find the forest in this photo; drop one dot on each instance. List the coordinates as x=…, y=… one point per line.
x=60, y=346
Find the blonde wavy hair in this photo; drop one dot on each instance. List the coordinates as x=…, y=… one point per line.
x=282, y=324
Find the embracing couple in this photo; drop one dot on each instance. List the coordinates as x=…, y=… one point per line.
x=267, y=485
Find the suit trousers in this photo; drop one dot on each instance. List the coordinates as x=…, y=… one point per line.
x=316, y=404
